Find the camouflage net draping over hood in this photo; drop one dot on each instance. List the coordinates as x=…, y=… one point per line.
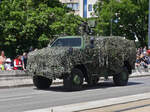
x=47, y=61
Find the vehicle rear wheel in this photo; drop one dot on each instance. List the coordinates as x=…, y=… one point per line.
x=121, y=79
x=74, y=81
x=41, y=82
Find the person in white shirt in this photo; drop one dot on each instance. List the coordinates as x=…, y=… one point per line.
x=8, y=64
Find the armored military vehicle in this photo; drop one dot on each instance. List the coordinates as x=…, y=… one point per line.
x=76, y=59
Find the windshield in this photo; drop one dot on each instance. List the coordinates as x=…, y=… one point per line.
x=67, y=42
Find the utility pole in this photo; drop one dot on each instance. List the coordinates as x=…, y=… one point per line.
x=149, y=27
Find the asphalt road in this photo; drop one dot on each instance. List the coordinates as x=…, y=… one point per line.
x=29, y=98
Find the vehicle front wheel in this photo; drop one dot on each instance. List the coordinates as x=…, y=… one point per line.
x=41, y=82
x=121, y=79
x=73, y=81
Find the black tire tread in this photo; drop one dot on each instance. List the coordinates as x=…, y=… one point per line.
x=118, y=78
x=68, y=81
x=41, y=82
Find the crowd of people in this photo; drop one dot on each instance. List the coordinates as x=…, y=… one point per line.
x=19, y=63
x=142, y=57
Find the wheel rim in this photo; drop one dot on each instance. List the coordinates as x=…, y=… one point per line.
x=124, y=76
x=76, y=79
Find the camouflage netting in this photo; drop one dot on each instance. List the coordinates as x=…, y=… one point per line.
x=46, y=61
x=114, y=51
x=108, y=52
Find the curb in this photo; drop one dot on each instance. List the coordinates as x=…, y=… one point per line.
x=139, y=76
x=17, y=75
x=16, y=86
x=25, y=85
x=55, y=83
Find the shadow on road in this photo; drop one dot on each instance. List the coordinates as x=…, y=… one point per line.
x=101, y=85
x=133, y=83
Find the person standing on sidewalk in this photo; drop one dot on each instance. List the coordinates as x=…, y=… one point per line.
x=24, y=60
x=2, y=60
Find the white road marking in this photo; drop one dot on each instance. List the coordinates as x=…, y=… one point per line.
x=23, y=95
x=18, y=98
x=93, y=104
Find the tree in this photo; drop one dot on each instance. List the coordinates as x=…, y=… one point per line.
x=26, y=23
x=67, y=25
x=129, y=18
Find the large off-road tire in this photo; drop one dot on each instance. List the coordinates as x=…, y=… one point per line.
x=74, y=81
x=121, y=79
x=41, y=82
x=93, y=81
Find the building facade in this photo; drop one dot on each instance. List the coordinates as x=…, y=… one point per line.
x=87, y=8
x=73, y=4
x=84, y=8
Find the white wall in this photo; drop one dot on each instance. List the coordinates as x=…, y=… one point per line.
x=81, y=7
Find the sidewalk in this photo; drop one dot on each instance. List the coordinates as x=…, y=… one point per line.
x=133, y=106
x=131, y=103
x=18, y=78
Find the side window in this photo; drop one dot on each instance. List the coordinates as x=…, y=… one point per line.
x=58, y=42
x=67, y=42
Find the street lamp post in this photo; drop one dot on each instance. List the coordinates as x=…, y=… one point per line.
x=149, y=27
x=111, y=20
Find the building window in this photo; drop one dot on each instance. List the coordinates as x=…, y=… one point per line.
x=90, y=7
x=76, y=6
x=73, y=6
x=69, y=5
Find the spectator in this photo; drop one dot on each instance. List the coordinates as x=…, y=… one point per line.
x=31, y=49
x=24, y=60
x=2, y=60
x=18, y=63
x=138, y=61
x=140, y=50
x=8, y=64
x=147, y=58
x=144, y=50
x=143, y=61
x=148, y=51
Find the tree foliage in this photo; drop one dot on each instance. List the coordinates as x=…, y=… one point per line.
x=26, y=23
x=129, y=18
